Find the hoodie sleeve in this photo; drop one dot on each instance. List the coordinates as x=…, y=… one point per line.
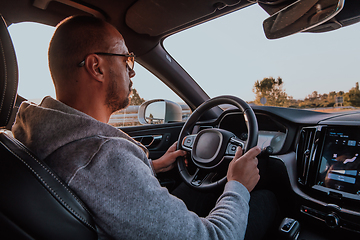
x=128, y=202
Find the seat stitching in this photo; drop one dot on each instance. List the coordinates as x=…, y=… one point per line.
x=15, y=87
x=6, y=80
x=40, y=178
x=5, y=86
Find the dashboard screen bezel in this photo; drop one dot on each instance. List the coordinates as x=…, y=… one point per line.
x=337, y=182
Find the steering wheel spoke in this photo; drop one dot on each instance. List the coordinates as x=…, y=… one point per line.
x=233, y=144
x=188, y=142
x=202, y=177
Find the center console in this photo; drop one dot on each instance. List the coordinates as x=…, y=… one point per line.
x=328, y=170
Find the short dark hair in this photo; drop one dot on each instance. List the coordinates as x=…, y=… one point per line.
x=73, y=39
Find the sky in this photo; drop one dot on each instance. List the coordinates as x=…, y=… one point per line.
x=225, y=56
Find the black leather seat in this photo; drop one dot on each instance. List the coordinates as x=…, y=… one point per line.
x=34, y=202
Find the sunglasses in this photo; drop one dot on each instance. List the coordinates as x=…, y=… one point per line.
x=130, y=61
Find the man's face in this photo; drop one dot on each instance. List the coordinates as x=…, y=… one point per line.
x=117, y=94
x=119, y=81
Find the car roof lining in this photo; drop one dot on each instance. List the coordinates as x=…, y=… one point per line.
x=168, y=15
x=146, y=31
x=43, y=4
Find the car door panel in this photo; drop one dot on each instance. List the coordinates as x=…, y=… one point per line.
x=158, y=138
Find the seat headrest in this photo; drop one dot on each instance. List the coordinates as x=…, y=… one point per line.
x=8, y=74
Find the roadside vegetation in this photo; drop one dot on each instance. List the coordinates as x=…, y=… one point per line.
x=272, y=90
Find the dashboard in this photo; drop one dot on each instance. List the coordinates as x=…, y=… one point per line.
x=313, y=168
x=320, y=152
x=271, y=133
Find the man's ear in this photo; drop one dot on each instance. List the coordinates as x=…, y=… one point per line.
x=94, y=65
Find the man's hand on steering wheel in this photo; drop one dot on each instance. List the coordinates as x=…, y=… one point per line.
x=167, y=161
x=243, y=168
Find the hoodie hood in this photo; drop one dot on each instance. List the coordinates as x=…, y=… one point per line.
x=67, y=125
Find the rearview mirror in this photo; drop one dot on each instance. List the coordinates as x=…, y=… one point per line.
x=300, y=16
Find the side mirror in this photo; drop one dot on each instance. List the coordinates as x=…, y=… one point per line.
x=159, y=111
x=300, y=16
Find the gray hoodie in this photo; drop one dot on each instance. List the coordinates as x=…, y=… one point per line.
x=111, y=173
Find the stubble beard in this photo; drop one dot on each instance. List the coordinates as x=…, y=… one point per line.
x=113, y=99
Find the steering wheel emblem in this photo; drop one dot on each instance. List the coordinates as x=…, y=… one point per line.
x=210, y=146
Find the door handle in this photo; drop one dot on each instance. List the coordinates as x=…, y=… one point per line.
x=149, y=140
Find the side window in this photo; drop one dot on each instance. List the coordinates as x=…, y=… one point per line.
x=31, y=41
x=146, y=87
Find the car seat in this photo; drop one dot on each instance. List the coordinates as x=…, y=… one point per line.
x=34, y=202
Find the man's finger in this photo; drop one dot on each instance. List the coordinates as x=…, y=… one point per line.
x=173, y=146
x=238, y=153
x=179, y=153
x=252, y=153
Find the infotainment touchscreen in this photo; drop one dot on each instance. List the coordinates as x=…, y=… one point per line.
x=340, y=161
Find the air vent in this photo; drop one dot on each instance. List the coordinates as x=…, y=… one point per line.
x=305, y=150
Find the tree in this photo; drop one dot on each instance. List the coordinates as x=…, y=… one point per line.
x=272, y=90
x=352, y=98
x=135, y=98
x=316, y=100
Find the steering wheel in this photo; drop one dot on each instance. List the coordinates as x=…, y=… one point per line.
x=213, y=147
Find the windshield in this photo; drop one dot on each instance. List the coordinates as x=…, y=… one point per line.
x=231, y=55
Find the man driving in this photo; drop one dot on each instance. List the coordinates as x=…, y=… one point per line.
x=92, y=68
